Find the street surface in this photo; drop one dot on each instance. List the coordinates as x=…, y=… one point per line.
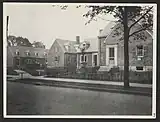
x=25, y=99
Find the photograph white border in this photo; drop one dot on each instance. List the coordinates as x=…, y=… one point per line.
x=153, y=116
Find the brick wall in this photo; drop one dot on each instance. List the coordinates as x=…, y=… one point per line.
x=111, y=39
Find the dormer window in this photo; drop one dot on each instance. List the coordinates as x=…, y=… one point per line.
x=67, y=47
x=27, y=53
x=17, y=52
x=36, y=54
x=45, y=54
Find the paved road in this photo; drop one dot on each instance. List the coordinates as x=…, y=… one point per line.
x=30, y=99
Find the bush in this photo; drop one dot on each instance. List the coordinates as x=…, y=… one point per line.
x=32, y=71
x=10, y=71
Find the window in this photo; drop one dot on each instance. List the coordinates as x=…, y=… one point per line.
x=29, y=61
x=45, y=54
x=27, y=53
x=140, y=51
x=95, y=60
x=111, y=55
x=57, y=58
x=17, y=52
x=83, y=58
x=17, y=61
x=139, y=68
x=36, y=54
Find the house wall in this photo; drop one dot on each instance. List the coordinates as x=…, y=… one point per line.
x=55, y=51
x=9, y=58
x=89, y=59
x=70, y=59
x=148, y=50
x=24, y=64
x=102, y=52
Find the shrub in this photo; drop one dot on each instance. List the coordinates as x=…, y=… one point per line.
x=10, y=71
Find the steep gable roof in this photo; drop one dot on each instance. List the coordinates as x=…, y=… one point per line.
x=107, y=29
x=93, y=44
x=108, y=33
x=62, y=44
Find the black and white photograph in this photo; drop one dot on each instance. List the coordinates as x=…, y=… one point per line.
x=79, y=60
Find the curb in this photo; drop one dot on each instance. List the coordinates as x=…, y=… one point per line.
x=85, y=86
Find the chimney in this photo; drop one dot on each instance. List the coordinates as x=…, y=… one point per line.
x=77, y=39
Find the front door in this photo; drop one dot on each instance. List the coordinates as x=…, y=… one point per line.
x=95, y=60
x=111, y=55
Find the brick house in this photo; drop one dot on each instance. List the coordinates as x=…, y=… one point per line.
x=21, y=57
x=90, y=54
x=62, y=54
x=111, y=50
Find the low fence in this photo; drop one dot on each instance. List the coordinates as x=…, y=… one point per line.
x=138, y=77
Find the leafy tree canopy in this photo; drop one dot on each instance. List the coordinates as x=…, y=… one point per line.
x=18, y=41
x=38, y=44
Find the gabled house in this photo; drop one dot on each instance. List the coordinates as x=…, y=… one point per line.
x=90, y=54
x=21, y=57
x=62, y=54
x=111, y=50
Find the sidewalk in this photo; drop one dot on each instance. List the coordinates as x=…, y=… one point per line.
x=107, y=86
x=93, y=82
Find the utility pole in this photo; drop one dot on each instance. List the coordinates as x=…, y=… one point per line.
x=7, y=28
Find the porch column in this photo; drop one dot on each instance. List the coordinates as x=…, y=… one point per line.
x=115, y=54
x=107, y=55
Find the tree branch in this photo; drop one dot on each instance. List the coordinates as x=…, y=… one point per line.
x=139, y=30
x=141, y=17
x=106, y=19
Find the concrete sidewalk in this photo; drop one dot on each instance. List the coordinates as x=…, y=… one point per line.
x=93, y=82
x=107, y=86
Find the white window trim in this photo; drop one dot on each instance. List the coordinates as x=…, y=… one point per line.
x=115, y=54
x=36, y=53
x=17, y=51
x=27, y=52
x=140, y=70
x=93, y=59
x=45, y=53
x=83, y=58
x=142, y=52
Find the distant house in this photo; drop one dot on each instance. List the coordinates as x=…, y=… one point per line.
x=62, y=54
x=21, y=57
x=111, y=50
x=90, y=54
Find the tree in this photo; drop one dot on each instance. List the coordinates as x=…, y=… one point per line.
x=37, y=44
x=128, y=17
x=18, y=41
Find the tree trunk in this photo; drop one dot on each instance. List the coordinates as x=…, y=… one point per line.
x=126, y=53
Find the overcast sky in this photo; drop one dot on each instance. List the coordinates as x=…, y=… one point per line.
x=46, y=23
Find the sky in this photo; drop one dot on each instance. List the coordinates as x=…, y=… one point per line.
x=42, y=22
